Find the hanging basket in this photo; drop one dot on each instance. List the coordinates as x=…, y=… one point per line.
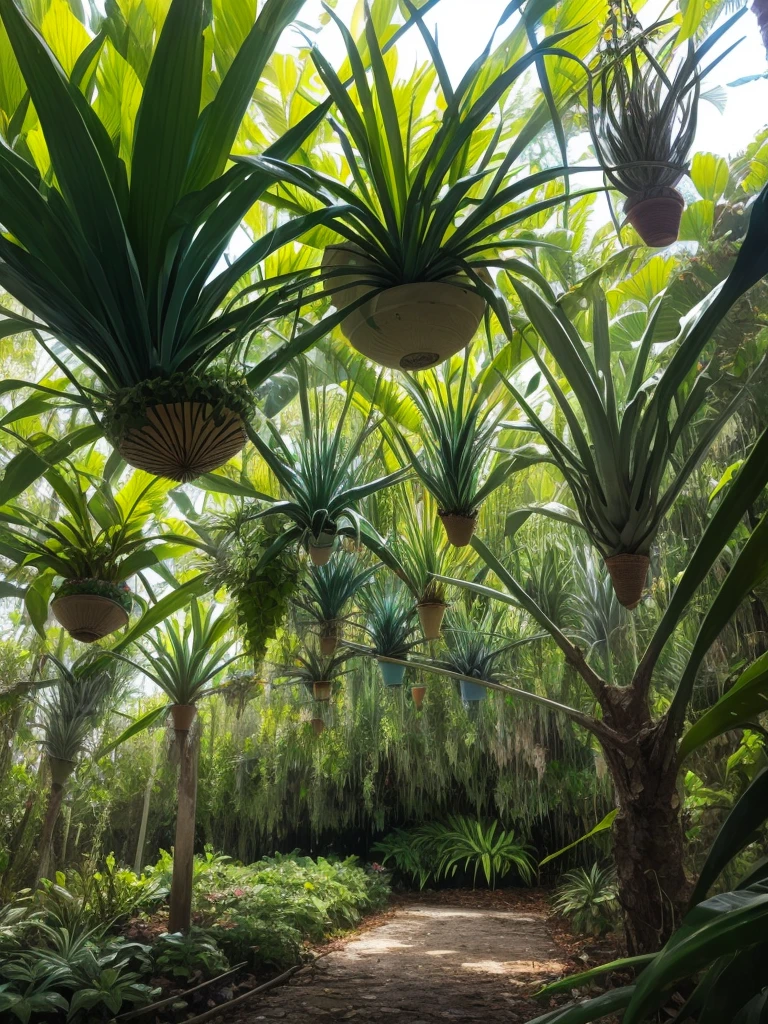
x=472, y=692
x=88, y=617
x=656, y=217
x=417, y=692
x=182, y=716
x=629, y=574
x=410, y=326
x=318, y=726
x=61, y=768
x=431, y=614
x=321, y=691
x=458, y=529
x=391, y=674
x=182, y=440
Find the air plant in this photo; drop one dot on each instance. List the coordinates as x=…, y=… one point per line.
x=389, y=622
x=644, y=124
x=474, y=647
x=316, y=671
x=326, y=593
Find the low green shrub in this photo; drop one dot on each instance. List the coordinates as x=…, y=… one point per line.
x=439, y=849
x=192, y=957
x=589, y=899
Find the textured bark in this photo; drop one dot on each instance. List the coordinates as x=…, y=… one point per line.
x=55, y=797
x=648, y=843
x=180, y=913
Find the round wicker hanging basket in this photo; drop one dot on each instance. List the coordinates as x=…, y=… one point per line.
x=629, y=574
x=88, y=617
x=458, y=529
x=417, y=692
x=431, y=616
x=182, y=716
x=182, y=440
x=656, y=217
x=409, y=326
x=61, y=768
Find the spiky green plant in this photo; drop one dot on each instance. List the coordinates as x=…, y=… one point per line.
x=589, y=899
x=327, y=591
x=389, y=618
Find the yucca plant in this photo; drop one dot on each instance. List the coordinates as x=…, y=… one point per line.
x=644, y=122
x=628, y=420
x=389, y=622
x=324, y=475
x=326, y=593
x=589, y=899
x=431, y=201
x=317, y=671
x=118, y=247
x=461, y=415
x=70, y=707
x=107, y=536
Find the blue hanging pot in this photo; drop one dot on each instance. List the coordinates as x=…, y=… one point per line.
x=472, y=691
x=392, y=675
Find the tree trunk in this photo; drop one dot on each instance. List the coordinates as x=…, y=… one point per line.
x=55, y=797
x=180, y=915
x=18, y=837
x=139, y=859
x=648, y=838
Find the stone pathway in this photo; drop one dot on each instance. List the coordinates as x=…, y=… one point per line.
x=424, y=964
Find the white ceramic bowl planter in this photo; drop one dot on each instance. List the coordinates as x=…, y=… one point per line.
x=407, y=327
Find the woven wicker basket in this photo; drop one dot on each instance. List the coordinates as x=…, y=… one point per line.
x=321, y=691
x=629, y=574
x=182, y=440
x=88, y=617
x=656, y=218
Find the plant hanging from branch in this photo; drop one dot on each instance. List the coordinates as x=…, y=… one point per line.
x=119, y=258
x=644, y=123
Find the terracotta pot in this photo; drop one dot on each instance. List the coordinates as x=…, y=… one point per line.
x=321, y=691
x=88, y=617
x=656, y=218
x=318, y=726
x=182, y=440
x=458, y=529
x=629, y=574
x=417, y=692
x=391, y=674
x=61, y=769
x=329, y=638
x=183, y=715
x=472, y=691
x=431, y=618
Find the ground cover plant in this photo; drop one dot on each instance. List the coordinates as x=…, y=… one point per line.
x=488, y=609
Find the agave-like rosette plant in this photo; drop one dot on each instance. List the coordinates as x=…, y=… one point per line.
x=119, y=249
x=624, y=431
x=424, y=204
x=389, y=618
x=327, y=592
x=324, y=476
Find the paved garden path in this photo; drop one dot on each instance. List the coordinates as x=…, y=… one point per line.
x=423, y=964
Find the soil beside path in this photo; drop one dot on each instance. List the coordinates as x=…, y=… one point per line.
x=437, y=959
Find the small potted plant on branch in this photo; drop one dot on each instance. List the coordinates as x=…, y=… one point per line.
x=389, y=616
x=327, y=592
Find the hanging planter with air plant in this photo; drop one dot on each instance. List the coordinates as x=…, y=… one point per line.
x=324, y=476
x=389, y=616
x=316, y=671
x=126, y=268
x=461, y=409
x=326, y=593
x=82, y=559
x=426, y=197
x=644, y=123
